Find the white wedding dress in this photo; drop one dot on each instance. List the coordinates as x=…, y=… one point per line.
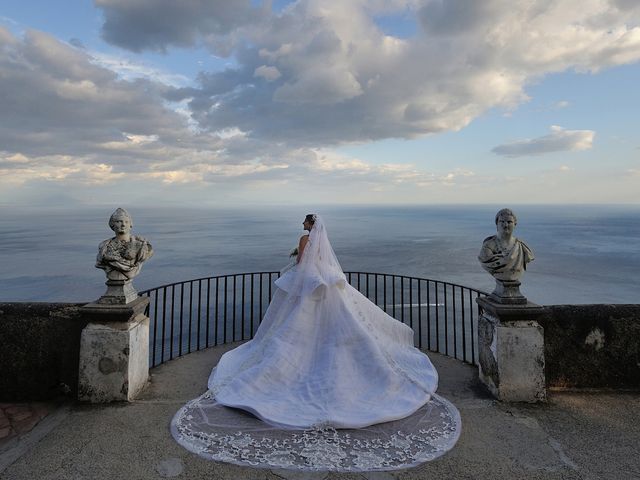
x=324, y=358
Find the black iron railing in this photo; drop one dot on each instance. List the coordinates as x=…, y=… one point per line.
x=200, y=313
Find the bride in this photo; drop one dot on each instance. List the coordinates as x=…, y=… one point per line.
x=323, y=357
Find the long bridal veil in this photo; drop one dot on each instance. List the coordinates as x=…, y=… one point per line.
x=329, y=382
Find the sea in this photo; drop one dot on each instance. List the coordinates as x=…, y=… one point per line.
x=583, y=253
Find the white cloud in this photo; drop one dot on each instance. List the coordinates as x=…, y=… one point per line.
x=232, y=132
x=267, y=72
x=558, y=140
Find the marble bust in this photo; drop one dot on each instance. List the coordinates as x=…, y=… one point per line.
x=121, y=257
x=504, y=256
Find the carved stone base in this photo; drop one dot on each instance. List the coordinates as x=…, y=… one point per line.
x=119, y=292
x=114, y=360
x=508, y=292
x=511, y=351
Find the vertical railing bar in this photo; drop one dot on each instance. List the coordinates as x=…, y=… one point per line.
x=367, y=284
x=455, y=321
x=411, y=302
x=260, y=301
x=384, y=291
x=437, y=318
x=270, y=282
x=199, y=311
x=252, y=305
x=375, y=281
x=473, y=339
x=429, y=314
x=243, y=306
x=419, y=314
x=402, y=299
x=358, y=281
x=226, y=298
x=446, y=319
x=234, y=306
x=393, y=295
x=181, y=318
x=215, y=326
x=471, y=324
x=164, y=323
x=155, y=325
x=208, y=310
x=190, y=314
x=464, y=325
x=173, y=307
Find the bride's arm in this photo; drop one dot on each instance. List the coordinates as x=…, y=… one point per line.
x=303, y=243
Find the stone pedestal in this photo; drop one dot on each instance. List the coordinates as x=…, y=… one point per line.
x=114, y=352
x=508, y=292
x=120, y=290
x=511, y=350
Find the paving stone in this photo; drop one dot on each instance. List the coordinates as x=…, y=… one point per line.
x=5, y=432
x=26, y=425
x=15, y=410
x=18, y=417
x=4, y=420
x=41, y=410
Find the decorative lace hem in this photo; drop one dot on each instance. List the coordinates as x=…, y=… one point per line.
x=224, y=434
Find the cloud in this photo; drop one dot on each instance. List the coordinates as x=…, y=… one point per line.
x=268, y=73
x=559, y=140
x=57, y=101
x=156, y=24
x=322, y=72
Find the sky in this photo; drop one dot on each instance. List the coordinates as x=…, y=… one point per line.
x=219, y=103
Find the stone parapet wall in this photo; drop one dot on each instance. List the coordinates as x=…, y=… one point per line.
x=39, y=350
x=586, y=346
x=592, y=346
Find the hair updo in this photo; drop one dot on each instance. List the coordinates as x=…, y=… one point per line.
x=311, y=218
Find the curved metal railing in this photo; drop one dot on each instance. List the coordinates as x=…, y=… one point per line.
x=195, y=314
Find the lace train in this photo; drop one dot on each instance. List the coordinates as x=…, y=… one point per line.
x=225, y=434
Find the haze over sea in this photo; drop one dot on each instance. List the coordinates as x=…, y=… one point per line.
x=584, y=254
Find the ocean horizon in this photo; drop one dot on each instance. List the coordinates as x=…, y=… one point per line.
x=583, y=253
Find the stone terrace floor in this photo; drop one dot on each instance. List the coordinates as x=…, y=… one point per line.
x=574, y=436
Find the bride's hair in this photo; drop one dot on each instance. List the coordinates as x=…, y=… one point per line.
x=311, y=218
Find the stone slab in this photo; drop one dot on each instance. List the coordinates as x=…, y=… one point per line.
x=114, y=361
x=511, y=351
x=103, y=312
